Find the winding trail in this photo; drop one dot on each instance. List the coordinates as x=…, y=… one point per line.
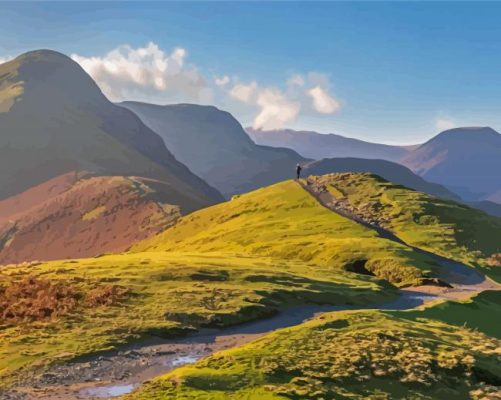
x=119, y=372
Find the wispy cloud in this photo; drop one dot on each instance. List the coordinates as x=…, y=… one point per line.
x=147, y=72
x=244, y=92
x=323, y=102
x=152, y=74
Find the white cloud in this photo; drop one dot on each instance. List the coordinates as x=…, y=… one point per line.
x=151, y=74
x=275, y=110
x=222, y=81
x=444, y=123
x=296, y=80
x=322, y=101
x=144, y=73
x=244, y=92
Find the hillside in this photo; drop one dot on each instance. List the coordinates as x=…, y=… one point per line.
x=446, y=228
x=388, y=170
x=425, y=354
x=317, y=146
x=275, y=252
x=213, y=144
x=284, y=221
x=54, y=120
x=77, y=215
x=58, y=311
x=466, y=160
x=237, y=261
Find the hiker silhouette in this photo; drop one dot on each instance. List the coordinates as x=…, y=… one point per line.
x=298, y=171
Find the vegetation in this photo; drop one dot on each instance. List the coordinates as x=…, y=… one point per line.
x=477, y=313
x=356, y=355
x=284, y=221
x=443, y=227
x=241, y=260
x=60, y=310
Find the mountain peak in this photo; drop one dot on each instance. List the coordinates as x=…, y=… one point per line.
x=468, y=132
x=43, y=54
x=42, y=62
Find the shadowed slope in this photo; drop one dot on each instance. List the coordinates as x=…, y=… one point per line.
x=54, y=119
x=213, y=144
x=467, y=160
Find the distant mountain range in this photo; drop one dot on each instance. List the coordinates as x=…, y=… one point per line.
x=317, y=145
x=213, y=144
x=466, y=160
x=54, y=119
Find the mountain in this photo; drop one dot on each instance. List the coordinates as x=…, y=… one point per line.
x=54, y=119
x=466, y=160
x=317, y=146
x=213, y=144
x=80, y=215
x=388, y=170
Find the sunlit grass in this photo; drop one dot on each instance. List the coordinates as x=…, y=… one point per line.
x=353, y=354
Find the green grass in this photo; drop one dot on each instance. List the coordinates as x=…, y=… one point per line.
x=353, y=355
x=284, y=221
x=169, y=294
x=443, y=227
x=237, y=261
x=480, y=312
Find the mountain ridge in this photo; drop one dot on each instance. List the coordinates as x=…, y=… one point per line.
x=63, y=122
x=311, y=144
x=216, y=147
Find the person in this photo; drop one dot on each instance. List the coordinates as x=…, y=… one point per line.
x=298, y=171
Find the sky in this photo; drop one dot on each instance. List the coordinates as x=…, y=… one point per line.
x=390, y=72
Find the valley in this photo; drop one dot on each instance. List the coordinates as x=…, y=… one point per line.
x=158, y=252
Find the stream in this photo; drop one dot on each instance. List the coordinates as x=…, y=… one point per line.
x=119, y=372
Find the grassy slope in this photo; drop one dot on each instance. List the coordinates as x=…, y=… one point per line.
x=232, y=262
x=356, y=355
x=443, y=227
x=169, y=293
x=284, y=221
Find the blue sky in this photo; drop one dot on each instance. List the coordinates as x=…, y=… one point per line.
x=387, y=72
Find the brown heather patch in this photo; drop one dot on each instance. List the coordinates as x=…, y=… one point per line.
x=34, y=299
x=107, y=295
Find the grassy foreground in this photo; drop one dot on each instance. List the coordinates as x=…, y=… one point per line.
x=233, y=262
x=442, y=227
x=426, y=354
x=60, y=310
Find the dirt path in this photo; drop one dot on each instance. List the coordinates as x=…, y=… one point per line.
x=119, y=372
x=465, y=280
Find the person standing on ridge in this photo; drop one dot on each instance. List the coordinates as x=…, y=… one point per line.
x=298, y=171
